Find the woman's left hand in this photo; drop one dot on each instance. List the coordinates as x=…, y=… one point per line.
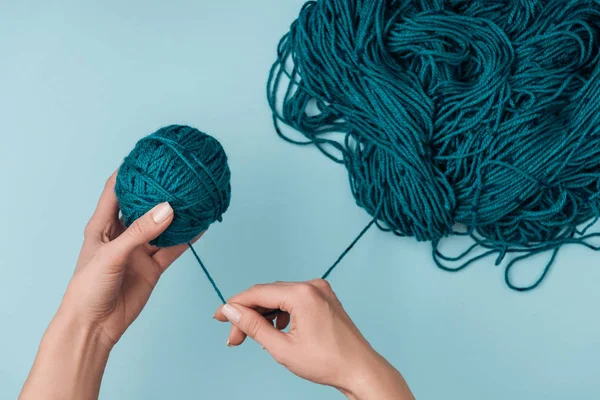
x=115, y=274
x=117, y=269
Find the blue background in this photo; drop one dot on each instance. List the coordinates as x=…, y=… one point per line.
x=81, y=82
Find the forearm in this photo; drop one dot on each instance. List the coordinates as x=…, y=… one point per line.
x=377, y=379
x=70, y=362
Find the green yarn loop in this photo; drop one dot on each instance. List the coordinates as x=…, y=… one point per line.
x=455, y=117
x=183, y=166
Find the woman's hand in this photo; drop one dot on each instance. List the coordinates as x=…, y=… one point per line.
x=114, y=277
x=117, y=268
x=323, y=344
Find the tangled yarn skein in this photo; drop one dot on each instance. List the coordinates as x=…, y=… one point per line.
x=470, y=117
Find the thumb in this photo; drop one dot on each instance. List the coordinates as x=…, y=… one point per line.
x=149, y=226
x=257, y=327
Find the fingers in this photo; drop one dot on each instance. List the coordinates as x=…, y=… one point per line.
x=144, y=229
x=262, y=299
x=283, y=296
x=256, y=326
x=321, y=284
x=165, y=256
x=236, y=336
x=261, y=310
x=107, y=210
x=272, y=296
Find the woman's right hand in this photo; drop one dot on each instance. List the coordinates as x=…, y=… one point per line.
x=323, y=345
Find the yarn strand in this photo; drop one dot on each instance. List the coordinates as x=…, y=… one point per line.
x=341, y=257
x=324, y=276
x=210, y=279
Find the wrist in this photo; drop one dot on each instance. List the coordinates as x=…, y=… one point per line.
x=373, y=377
x=359, y=377
x=70, y=361
x=80, y=323
x=80, y=331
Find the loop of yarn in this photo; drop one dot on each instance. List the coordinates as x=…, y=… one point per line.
x=183, y=166
x=480, y=113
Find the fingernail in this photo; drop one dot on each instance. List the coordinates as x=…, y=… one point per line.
x=228, y=345
x=231, y=313
x=162, y=212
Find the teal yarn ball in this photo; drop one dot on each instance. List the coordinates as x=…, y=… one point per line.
x=183, y=166
x=454, y=117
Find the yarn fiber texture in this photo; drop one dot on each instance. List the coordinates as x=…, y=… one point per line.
x=183, y=166
x=454, y=117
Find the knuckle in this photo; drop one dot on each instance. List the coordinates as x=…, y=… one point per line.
x=136, y=230
x=307, y=291
x=253, y=328
x=257, y=286
x=322, y=284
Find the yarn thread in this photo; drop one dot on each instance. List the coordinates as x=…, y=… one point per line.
x=208, y=276
x=458, y=117
x=324, y=276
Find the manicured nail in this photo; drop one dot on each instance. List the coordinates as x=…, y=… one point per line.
x=228, y=345
x=162, y=212
x=231, y=313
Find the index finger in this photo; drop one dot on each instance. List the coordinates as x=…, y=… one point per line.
x=270, y=296
x=107, y=209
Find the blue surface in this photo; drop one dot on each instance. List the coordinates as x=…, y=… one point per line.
x=81, y=83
